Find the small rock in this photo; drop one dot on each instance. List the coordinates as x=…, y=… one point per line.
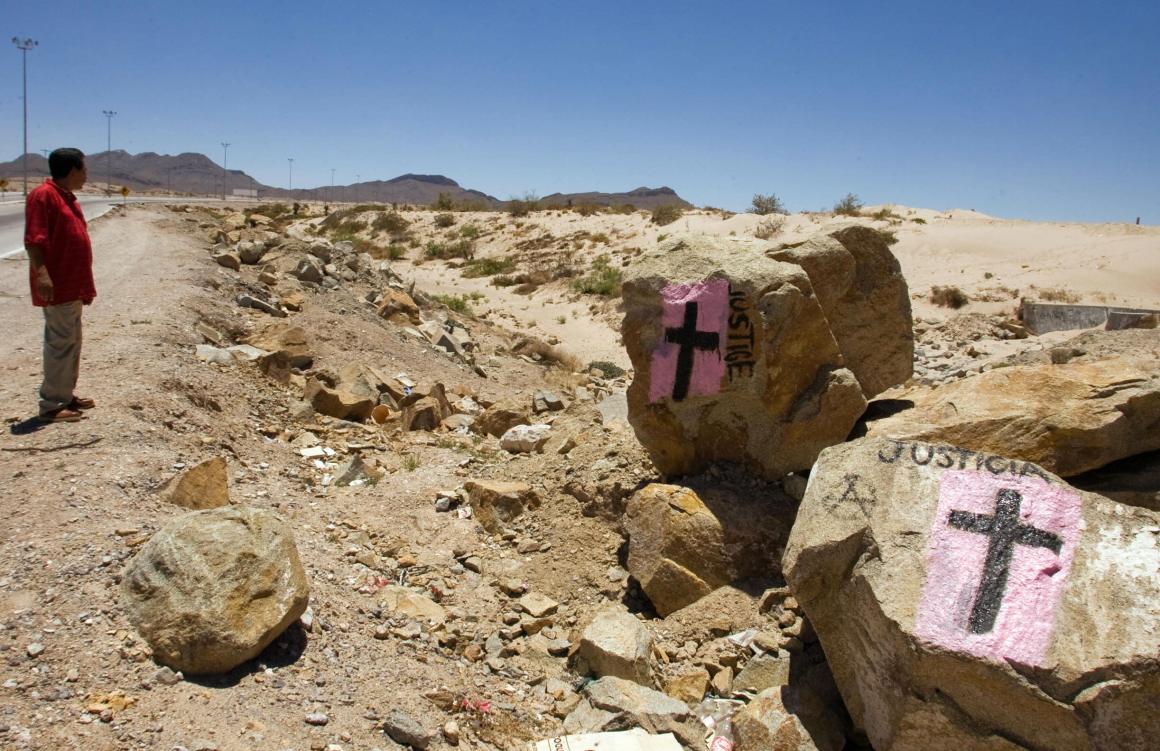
x=404, y=729
x=35, y=649
x=316, y=718
x=451, y=732
x=617, y=644
x=229, y=260
x=525, y=439
x=537, y=605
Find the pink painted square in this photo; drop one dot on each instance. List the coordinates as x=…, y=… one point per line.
x=1044, y=523
x=687, y=363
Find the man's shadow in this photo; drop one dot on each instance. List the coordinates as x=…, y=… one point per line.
x=27, y=426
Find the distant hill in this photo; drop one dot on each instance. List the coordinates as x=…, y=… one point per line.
x=641, y=198
x=198, y=174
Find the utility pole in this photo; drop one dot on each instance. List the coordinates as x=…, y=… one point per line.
x=225, y=166
x=24, y=45
x=332, y=184
x=108, y=150
x=357, y=180
x=291, y=160
x=45, y=152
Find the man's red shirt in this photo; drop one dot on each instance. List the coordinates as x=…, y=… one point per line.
x=53, y=221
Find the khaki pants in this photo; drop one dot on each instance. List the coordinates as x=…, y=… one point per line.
x=62, y=354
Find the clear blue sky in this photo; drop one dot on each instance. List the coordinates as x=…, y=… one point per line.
x=1041, y=110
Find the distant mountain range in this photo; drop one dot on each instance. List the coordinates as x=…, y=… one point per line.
x=199, y=175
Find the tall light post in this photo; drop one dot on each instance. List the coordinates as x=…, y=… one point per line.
x=291, y=161
x=109, y=114
x=225, y=166
x=24, y=45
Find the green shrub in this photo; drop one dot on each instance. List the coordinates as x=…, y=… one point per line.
x=457, y=303
x=767, y=204
x=609, y=369
x=487, y=267
x=668, y=214
x=885, y=214
x=444, y=220
x=395, y=252
x=392, y=222
x=470, y=231
x=460, y=249
x=850, y=205
x=603, y=279
x=443, y=202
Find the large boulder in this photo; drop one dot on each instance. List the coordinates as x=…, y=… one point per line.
x=211, y=589
x=734, y=360
x=860, y=285
x=682, y=547
x=1066, y=418
x=969, y=600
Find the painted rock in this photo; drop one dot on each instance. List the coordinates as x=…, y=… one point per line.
x=996, y=606
x=1067, y=418
x=734, y=360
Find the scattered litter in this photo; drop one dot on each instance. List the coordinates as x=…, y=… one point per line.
x=619, y=740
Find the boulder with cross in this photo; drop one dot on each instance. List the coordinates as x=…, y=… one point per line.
x=966, y=599
x=761, y=356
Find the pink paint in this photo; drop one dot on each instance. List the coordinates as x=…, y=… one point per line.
x=1023, y=627
x=708, y=366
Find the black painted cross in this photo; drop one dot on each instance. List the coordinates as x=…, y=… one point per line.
x=1005, y=532
x=690, y=340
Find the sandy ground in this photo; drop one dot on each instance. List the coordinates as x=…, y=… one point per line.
x=995, y=261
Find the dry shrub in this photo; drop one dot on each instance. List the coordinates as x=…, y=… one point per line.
x=1058, y=294
x=553, y=355
x=769, y=227
x=949, y=297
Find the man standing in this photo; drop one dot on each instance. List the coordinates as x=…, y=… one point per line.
x=61, y=276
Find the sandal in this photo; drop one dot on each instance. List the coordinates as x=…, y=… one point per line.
x=64, y=414
x=79, y=403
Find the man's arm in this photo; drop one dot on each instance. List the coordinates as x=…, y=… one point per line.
x=43, y=280
x=36, y=235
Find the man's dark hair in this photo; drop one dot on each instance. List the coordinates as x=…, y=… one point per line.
x=62, y=161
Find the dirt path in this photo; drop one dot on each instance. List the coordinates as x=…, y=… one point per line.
x=79, y=499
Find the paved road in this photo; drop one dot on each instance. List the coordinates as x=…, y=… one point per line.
x=12, y=216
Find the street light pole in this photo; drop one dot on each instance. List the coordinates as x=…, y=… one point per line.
x=24, y=45
x=109, y=150
x=225, y=166
x=291, y=188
